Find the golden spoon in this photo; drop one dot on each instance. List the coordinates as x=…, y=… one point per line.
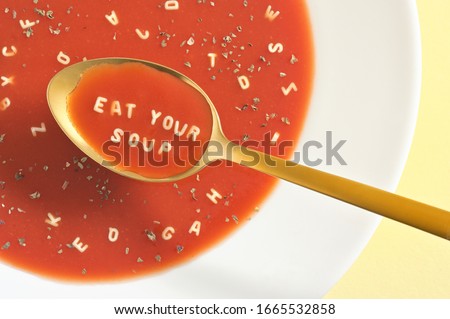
x=419, y=215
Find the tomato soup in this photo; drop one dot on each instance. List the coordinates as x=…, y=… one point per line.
x=63, y=216
x=147, y=121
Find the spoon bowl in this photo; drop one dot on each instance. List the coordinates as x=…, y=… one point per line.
x=66, y=81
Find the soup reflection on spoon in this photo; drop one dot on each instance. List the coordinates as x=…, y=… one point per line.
x=142, y=121
x=160, y=126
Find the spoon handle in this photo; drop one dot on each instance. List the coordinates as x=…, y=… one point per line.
x=416, y=214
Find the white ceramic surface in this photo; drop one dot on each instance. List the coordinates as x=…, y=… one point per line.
x=366, y=92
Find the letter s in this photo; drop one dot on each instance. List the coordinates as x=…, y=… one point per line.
x=275, y=48
x=116, y=137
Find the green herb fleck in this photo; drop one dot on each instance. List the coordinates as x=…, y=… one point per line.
x=22, y=242
x=19, y=175
x=285, y=120
x=35, y=195
x=151, y=235
x=50, y=14
x=294, y=59
x=28, y=32
x=39, y=11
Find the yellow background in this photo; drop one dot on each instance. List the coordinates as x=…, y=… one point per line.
x=400, y=262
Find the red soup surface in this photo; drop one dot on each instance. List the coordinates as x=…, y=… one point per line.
x=62, y=215
x=147, y=121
